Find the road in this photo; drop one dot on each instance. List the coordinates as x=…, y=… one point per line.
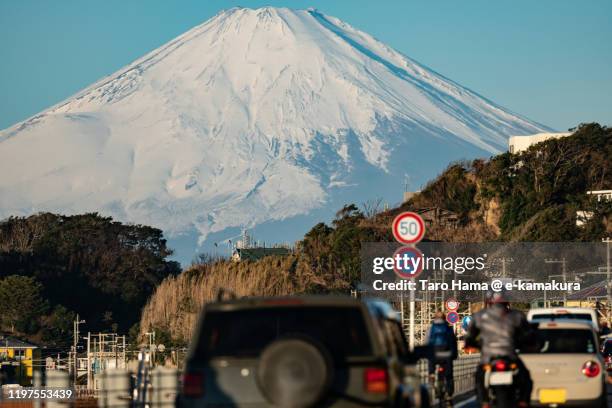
x=472, y=403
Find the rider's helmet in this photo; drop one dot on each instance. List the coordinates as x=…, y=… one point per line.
x=439, y=315
x=497, y=297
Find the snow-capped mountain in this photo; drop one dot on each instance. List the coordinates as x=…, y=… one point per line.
x=255, y=115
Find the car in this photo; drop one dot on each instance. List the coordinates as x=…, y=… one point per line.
x=566, y=366
x=606, y=351
x=321, y=351
x=565, y=313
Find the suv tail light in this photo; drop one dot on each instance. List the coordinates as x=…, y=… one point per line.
x=193, y=385
x=591, y=369
x=375, y=380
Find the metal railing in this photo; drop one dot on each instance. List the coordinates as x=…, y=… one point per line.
x=114, y=388
x=120, y=389
x=464, y=369
x=158, y=387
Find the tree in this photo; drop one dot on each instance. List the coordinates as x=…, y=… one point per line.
x=22, y=303
x=88, y=263
x=58, y=326
x=549, y=181
x=453, y=190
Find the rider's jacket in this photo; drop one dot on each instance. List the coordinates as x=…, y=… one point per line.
x=497, y=331
x=440, y=327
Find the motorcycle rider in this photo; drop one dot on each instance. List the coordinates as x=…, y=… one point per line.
x=498, y=331
x=443, y=342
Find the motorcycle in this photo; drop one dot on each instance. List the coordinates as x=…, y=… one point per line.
x=499, y=381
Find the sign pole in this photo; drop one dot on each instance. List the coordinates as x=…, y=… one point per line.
x=608, y=281
x=408, y=229
x=411, y=332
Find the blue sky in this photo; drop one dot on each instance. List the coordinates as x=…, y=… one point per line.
x=549, y=60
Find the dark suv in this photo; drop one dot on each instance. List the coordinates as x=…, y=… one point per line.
x=606, y=350
x=300, y=352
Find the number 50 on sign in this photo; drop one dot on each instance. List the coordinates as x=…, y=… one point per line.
x=408, y=228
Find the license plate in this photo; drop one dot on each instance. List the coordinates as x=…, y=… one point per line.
x=502, y=378
x=552, y=396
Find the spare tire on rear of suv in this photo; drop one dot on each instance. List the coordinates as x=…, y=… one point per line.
x=294, y=373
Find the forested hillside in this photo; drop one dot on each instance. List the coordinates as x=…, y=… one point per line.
x=52, y=266
x=534, y=195
x=531, y=196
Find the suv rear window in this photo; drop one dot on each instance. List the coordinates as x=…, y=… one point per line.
x=245, y=333
x=564, y=341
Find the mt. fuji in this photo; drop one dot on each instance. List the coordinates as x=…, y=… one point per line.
x=252, y=117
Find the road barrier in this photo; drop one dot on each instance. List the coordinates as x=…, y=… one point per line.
x=158, y=388
x=121, y=389
x=116, y=389
x=464, y=369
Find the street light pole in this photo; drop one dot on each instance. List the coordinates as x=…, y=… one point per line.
x=151, y=336
x=89, y=382
x=76, y=342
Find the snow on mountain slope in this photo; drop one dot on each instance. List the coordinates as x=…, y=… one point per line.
x=254, y=115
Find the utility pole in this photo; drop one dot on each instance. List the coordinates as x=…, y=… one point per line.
x=563, y=274
x=124, y=353
x=443, y=281
x=151, y=336
x=75, y=331
x=504, y=260
x=89, y=382
x=114, y=348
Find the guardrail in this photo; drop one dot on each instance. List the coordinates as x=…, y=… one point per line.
x=464, y=369
x=158, y=388
x=116, y=389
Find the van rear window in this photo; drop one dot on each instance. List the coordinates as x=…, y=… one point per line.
x=245, y=333
x=569, y=316
x=564, y=341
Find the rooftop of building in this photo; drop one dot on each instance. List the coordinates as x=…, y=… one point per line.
x=7, y=341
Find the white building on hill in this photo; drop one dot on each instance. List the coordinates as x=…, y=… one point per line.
x=601, y=195
x=582, y=217
x=517, y=144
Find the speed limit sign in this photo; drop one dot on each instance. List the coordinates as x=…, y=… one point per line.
x=452, y=304
x=408, y=228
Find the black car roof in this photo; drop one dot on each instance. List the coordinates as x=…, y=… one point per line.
x=378, y=307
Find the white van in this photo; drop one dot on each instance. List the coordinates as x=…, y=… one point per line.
x=566, y=366
x=564, y=313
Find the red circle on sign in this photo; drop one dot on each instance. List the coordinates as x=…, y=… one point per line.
x=449, y=306
x=417, y=254
x=452, y=317
x=395, y=227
